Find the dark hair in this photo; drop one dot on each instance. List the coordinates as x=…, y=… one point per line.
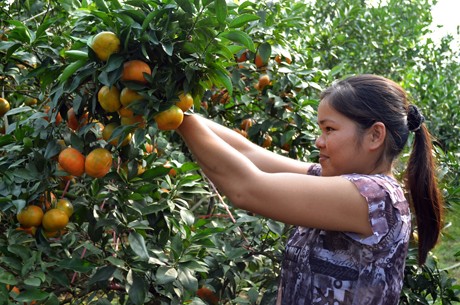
x=367, y=99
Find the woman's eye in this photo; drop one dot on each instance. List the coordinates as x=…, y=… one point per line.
x=328, y=129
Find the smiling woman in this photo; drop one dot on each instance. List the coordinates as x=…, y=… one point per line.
x=352, y=218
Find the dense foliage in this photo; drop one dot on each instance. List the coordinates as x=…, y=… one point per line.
x=154, y=230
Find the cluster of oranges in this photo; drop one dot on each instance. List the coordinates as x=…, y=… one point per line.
x=96, y=164
x=51, y=214
x=114, y=100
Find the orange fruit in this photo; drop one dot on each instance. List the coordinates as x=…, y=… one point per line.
x=267, y=141
x=4, y=106
x=125, y=112
x=109, y=98
x=207, y=295
x=30, y=101
x=149, y=148
x=133, y=120
x=259, y=61
x=30, y=216
x=246, y=123
x=133, y=71
x=169, y=119
x=107, y=133
x=185, y=101
x=55, y=220
x=105, y=44
x=172, y=172
x=127, y=96
x=243, y=57
x=98, y=163
x=58, y=119
x=65, y=205
x=31, y=231
x=241, y=132
x=264, y=80
x=72, y=120
x=72, y=161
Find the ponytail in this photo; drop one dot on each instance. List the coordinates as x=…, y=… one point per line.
x=426, y=198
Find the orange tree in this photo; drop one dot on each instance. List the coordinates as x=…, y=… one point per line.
x=152, y=229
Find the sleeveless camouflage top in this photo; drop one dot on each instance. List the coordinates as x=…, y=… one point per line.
x=337, y=268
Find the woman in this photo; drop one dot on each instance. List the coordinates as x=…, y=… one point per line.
x=352, y=219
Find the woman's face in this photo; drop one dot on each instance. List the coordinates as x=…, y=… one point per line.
x=341, y=150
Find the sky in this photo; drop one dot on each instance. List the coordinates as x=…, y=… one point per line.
x=445, y=13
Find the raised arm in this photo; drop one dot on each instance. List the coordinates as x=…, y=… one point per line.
x=264, y=159
x=330, y=203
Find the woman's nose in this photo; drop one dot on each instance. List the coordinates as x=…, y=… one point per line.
x=319, y=141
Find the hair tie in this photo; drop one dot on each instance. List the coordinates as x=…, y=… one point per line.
x=414, y=118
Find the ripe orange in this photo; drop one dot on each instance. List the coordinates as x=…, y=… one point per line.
x=267, y=141
x=134, y=70
x=149, y=148
x=58, y=119
x=241, y=132
x=185, y=101
x=172, y=172
x=105, y=44
x=30, y=216
x=75, y=123
x=125, y=112
x=264, y=80
x=246, y=123
x=72, y=120
x=65, y=205
x=72, y=161
x=31, y=231
x=133, y=120
x=55, y=220
x=107, y=133
x=98, y=163
x=109, y=98
x=127, y=96
x=169, y=119
x=243, y=57
x=259, y=61
x=207, y=295
x=4, y=106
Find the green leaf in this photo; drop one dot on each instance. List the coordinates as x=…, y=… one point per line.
x=186, y=5
x=239, y=37
x=220, y=77
x=76, y=54
x=221, y=11
x=187, y=279
x=7, y=278
x=242, y=19
x=166, y=275
x=265, y=51
x=137, y=288
x=137, y=244
x=76, y=264
x=187, y=217
x=71, y=69
x=102, y=274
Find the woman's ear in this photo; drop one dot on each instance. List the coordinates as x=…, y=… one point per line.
x=377, y=134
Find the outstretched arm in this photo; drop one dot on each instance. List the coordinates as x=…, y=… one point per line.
x=264, y=159
x=331, y=203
